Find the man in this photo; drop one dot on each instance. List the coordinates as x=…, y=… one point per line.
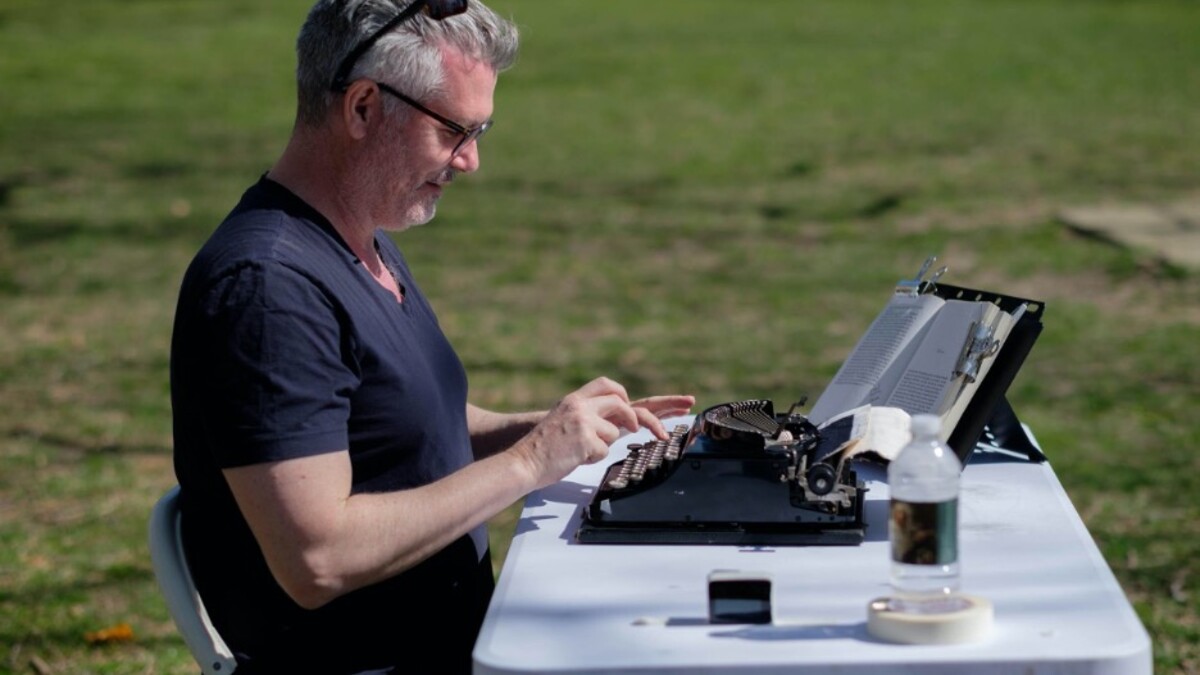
x=335, y=483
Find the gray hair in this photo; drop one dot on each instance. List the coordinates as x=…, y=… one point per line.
x=409, y=55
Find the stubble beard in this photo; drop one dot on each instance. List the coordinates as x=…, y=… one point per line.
x=415, y=210
x=428, y=207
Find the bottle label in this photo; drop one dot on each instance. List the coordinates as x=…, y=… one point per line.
x=924, y=533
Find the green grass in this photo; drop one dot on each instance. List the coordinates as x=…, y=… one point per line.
x=687, y=195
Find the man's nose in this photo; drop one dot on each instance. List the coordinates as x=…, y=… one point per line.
x=467, y=158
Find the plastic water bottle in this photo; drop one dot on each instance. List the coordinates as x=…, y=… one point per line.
x=923, y=527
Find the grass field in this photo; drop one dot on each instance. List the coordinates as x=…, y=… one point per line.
x=686, y=195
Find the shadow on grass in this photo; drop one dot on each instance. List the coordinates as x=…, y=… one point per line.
x=62, y=442
x=31, y=232
x=40, y=594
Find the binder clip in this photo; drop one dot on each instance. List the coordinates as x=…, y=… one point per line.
x=980, y=346
x=919, y=284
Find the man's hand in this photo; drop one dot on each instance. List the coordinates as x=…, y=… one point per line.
x=582, y=426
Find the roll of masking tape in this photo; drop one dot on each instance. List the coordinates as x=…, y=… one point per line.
x=971, y=622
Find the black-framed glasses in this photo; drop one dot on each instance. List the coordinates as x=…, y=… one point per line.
x=468, y=133
x=434, y=9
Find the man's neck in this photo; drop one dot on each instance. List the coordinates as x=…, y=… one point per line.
x=314, y=173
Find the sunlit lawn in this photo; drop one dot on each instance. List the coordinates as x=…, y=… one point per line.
x=686, y=195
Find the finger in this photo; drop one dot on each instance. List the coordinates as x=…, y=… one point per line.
x=666, y=406
x=596, y=448
x=617, y=412
x=598, y=451
x=651, y=422
x=603, y=386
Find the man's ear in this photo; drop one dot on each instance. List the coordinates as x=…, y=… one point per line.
x=362, y=108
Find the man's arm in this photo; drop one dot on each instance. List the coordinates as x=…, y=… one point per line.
x=322, y=542
x=492, y=432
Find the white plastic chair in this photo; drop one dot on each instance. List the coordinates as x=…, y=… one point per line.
x=175, y=581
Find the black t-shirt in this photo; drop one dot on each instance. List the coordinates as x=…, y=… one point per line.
x=284, y=347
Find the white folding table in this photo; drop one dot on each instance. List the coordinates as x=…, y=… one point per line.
x=564, y=607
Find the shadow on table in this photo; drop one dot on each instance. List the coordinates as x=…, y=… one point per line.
x=564, y=492
x=852, y=631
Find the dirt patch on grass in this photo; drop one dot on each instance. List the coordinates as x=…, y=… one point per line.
x=1170, y=232
x=1141, y=298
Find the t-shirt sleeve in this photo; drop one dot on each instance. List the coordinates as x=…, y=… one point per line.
x=278, y=365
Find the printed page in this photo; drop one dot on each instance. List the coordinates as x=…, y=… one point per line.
x=876, y=363
x=928, y=384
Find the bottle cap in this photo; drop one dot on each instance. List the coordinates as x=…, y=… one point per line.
x=925, y=425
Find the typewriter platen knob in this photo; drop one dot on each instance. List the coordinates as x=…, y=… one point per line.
x=821, y=479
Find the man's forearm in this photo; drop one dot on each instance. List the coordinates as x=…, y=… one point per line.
x=493, y=432
x=321, y=542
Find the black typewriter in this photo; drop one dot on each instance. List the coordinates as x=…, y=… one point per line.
x=741, y=475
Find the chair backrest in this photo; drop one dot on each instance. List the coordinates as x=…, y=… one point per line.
x=175, y=581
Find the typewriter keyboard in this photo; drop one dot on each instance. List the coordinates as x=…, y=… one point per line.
x=645, y=457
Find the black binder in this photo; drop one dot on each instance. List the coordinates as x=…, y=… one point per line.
x=988, y=418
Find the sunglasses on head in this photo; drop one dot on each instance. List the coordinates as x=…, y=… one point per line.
x=434, y=9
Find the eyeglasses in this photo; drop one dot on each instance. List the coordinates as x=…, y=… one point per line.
x=468, y=134
x=434, y=9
